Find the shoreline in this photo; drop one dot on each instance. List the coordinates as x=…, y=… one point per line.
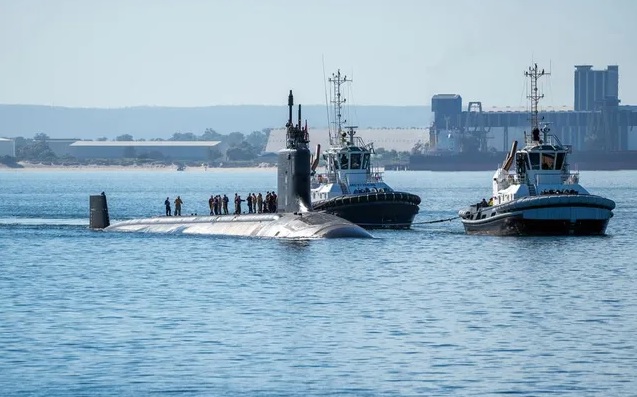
x=29, y=167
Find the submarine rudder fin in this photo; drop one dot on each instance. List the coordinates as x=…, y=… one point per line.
x=98, y=218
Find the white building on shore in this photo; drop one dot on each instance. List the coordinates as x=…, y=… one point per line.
x=398, y=139
x=7, y=147
x=176, y=150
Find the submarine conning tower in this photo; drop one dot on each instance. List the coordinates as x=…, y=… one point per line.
x=294, y=168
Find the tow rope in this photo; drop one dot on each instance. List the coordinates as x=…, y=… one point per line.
x=436, y=221
x=408, y=224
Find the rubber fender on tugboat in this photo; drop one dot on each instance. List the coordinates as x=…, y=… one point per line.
x=412, y=198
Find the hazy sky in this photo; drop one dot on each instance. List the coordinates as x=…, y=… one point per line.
x=119, y=53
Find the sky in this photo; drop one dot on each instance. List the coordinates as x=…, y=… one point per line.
x=184, y=53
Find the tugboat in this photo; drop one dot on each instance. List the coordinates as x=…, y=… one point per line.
x=541, y=196
x=350, y=187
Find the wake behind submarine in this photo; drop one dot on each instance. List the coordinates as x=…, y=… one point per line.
x=294, y=217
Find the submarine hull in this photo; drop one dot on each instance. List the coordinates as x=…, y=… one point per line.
x=283, y=225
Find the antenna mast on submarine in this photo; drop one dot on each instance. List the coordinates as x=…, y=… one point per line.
x=296, y=137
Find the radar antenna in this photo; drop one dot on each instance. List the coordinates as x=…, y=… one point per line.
x=337, y=101
x=534, y=75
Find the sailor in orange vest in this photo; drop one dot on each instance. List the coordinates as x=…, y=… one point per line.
x=178, y=204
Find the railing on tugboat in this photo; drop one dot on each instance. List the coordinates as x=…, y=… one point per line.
x=568, y=178
x=376, y=174
x=549, y=139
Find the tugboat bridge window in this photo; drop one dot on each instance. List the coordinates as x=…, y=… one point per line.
x=521, y=162
x=356, y=161
x=366, y=161
x=548, y=161
x=344, y=161
x=535, y=161
x=560, y=161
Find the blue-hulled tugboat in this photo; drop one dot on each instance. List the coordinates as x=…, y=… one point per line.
x=540, y=196
x=350, y=187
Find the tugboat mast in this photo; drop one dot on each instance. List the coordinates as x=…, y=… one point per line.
x=337, y=101
x=534, y=74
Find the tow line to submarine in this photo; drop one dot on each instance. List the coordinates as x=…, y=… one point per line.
x=436, y=221
x=412, y=223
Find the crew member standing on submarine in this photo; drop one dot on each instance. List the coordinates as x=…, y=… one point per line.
x=178, y=203
x=167, y=204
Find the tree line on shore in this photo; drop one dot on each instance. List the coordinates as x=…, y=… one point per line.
x=240, y=149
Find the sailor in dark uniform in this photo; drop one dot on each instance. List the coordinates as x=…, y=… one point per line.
x=167, y=204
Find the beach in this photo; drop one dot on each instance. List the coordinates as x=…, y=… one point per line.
x=27, y=166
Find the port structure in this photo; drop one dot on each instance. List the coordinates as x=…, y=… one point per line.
x=597, y=121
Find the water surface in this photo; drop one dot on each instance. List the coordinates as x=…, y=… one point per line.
x=429, y=311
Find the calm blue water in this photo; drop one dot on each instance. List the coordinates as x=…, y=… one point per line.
x=430, y=311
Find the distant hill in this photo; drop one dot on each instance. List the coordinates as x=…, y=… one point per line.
x=162, y=122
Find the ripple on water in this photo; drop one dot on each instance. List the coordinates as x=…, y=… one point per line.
x=430, y=311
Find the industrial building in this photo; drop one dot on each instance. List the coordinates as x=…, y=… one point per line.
x=596, y=122
x=61, y=147
x=164, y=150
x=594, y=87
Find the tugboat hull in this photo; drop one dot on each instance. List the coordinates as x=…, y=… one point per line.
x=518, y=226
x=390, y=210
x=541, y=216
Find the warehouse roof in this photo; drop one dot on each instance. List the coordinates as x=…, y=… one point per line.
x=145, y=143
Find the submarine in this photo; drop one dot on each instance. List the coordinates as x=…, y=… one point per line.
x=294, y=218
